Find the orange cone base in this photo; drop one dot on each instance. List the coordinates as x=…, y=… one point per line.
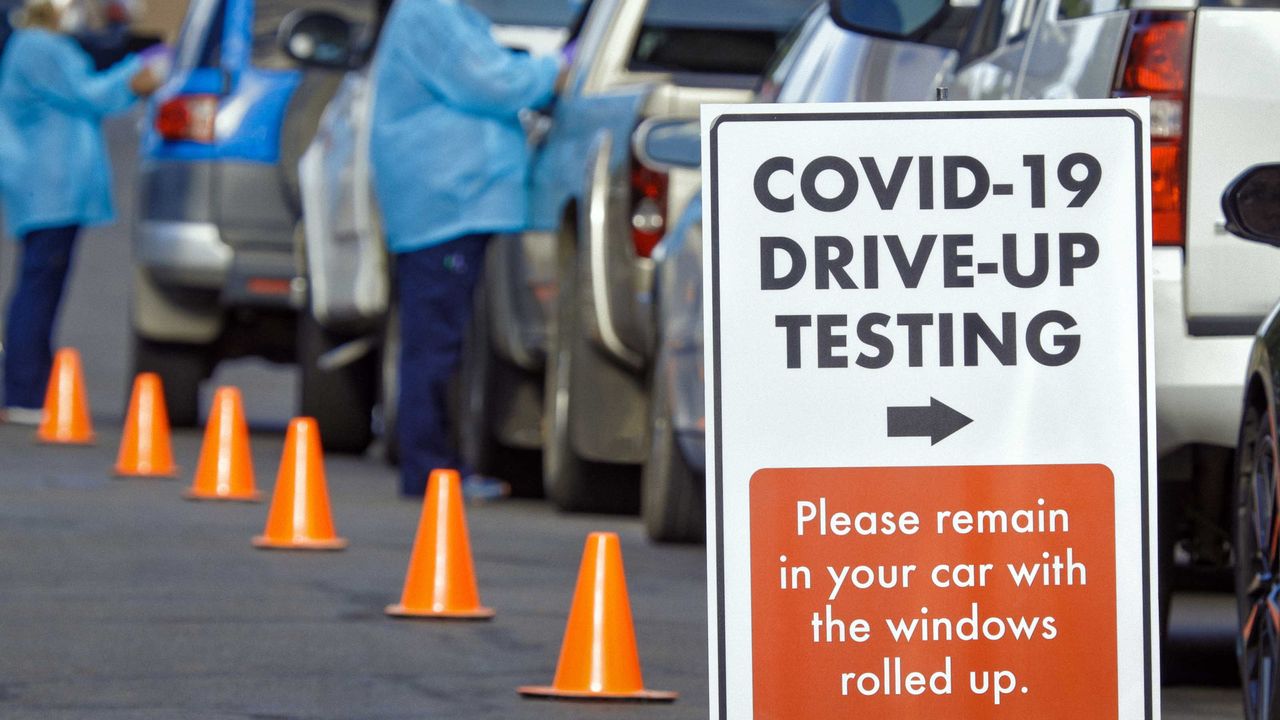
x=255, y=497
x=90, y=441
x=400, y=611
x=550, y=693
x=262, y=542
x=162, y=474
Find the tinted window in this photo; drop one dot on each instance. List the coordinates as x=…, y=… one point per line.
x=211, y=50
x=200, y=42
x=777, y=16
x=1263, y=4
x=736, y=37
x=1068, y=9
x=546, y=13
x=268, y=14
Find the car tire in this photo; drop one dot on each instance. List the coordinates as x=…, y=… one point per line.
x=573, y=483
x=1258, y=644
x=181, y=368
x=340, y=399
x=482, y=378
x=673, y=496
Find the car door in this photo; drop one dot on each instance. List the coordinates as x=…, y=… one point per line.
x=992, y=57
x=1074, y=50
x=345, y=264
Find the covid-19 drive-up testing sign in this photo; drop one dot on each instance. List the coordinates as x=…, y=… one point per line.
x=930, y=474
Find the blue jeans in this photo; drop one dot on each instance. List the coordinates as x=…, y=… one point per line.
x=435, y=287
x=33, y=309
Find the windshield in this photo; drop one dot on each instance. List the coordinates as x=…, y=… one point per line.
x=545, y=13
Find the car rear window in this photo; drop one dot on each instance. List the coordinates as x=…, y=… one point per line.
x=1070, y=9
x=268, y=14
x=735, y=37
x=1252, y=4
x=542, y=13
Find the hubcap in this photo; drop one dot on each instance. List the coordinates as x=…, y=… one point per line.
x=1258, y=592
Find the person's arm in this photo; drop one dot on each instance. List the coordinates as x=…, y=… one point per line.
x=64, y=76
x=470, y=69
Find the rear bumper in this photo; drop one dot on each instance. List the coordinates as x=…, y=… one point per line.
x=186, y=254
x=1199, y=380
x=221, y=228
x=192, y=256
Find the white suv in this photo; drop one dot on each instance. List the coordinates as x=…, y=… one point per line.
x=1210, y=69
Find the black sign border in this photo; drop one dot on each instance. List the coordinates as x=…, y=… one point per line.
x=1139, y=184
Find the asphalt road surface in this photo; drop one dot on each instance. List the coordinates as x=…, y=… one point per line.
x=119, y=600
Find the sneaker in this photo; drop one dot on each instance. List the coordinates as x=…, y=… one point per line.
x=481, y=488
x=24, y=416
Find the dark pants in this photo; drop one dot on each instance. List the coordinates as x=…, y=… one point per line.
x=435, y=288
x=33, y=308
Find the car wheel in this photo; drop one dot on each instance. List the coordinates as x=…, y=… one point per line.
x=572, y=483
x=1256, y=581
x=181, y=368
x=483, y=377
x=673, y=497
x=341, y=399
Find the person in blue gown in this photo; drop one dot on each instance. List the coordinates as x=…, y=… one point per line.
x=55, y=177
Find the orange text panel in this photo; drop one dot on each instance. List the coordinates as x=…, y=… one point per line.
x=942, y=592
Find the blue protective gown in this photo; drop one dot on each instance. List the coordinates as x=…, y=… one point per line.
x=449, y=154
x=53, y=157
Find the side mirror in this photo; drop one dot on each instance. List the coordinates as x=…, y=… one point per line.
x=665, y=143
x=319, y=39
x=892, y=19
x=1252, y=204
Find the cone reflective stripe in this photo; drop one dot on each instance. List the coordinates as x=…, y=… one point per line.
x=599, y=660
x=66, y=409
x=225, y=469
x=441, y=581
x=300, y=518
x=145, y=450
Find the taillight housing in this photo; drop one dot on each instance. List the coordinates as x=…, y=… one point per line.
x=1156, y=63
x=648, y=208
x=188, y=118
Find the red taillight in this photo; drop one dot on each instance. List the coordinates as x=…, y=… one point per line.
x=1157, y=63
x=648, y=208
x=188, y=117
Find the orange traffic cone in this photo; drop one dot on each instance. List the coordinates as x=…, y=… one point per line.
x=299, y=518
x=66, y=410
x=599, y=660
x=225, y=468
x=441, y=582
x=145, y=450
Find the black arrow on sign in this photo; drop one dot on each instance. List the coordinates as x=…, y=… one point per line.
x=935, y=421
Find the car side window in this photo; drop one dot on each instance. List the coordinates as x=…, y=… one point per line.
x=985, y=32
x=268, y=16
x=997, y=23
x=1070, y=9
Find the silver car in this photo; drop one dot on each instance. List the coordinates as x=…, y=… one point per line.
x=570, y=297
x=216, y=273
x=823, y=63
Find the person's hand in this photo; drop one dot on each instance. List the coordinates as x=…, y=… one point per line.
x=145, y=82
